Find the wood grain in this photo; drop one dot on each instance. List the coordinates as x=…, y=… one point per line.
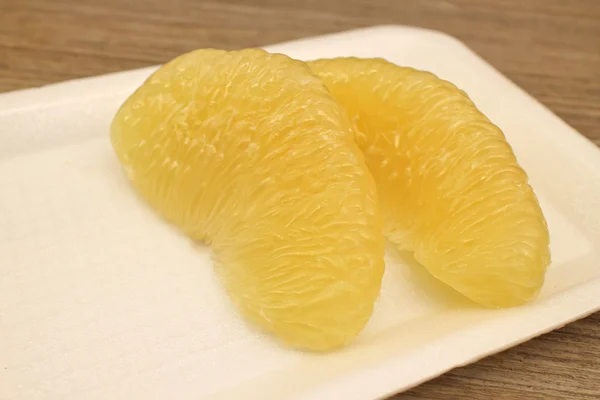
x=551, y=48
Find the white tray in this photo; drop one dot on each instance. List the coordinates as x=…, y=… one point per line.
x=99, y=299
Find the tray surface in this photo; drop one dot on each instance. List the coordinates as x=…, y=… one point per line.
x=99, y=299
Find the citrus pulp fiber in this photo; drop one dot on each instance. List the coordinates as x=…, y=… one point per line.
x=248, y=152
x=449, y=185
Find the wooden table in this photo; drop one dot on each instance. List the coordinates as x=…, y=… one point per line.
x=551, y=48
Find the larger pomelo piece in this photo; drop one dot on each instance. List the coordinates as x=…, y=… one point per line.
x=449, y=184
x=248, y=151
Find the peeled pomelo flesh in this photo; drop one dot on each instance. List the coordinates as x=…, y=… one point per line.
x=449, y=185
x=248, y=152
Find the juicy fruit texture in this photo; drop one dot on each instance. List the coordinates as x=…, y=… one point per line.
x=248, y=151
x=449, y=185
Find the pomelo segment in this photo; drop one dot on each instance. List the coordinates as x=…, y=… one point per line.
x=248, y=152
x=449, y=184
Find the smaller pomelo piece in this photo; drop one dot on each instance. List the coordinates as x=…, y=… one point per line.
x=449, y=184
